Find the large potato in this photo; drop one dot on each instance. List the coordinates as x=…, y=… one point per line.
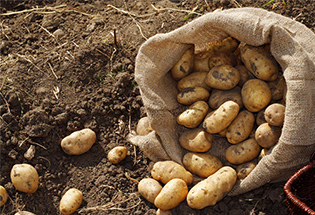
x=70, y=201
x=223, y=77
x=196, y=140
x=149, y=188
x=222, y=58
x=228, y=44
x=184, y=65
x=277, y=88
x=190, y=95
x=164, y=171
x=117, y=154
x=201, y=61
x=259, y=62
x=221, y=118
x=172, y=194
x=196, y=79
x=213, y=189
x=267, y=135
x=3, y=196
x=242, y=152
x=274, y=114
x=201, y=164
x=241, y=127
x=24, y=178
x=143, y=126
x=256, y=95
x=218, y=97
x=194, y=115
x=244, y=169
x=78, y=142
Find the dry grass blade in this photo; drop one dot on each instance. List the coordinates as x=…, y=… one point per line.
x=173, y=9
x=131, y=14
x=32, y=10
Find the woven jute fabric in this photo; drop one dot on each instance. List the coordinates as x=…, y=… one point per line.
x=293, y=46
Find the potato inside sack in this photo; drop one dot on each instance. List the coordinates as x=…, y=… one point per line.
x=267, y=135
x=274, y=114
x=244, y=169
x=190, y=95
x=184, y=65
x=196, y=79
x=196, y=140
x=194, y=115
x=222, y=58
x=229, y=44
x=262, y=153
x=260, y=117
x=201, y=61
x=117, y=154
x=143, y=126
x=70, y=201
x=3, y=196
x=24, y=178
x=244, y=74
x=277, y=88
x=218, y=97
x=223, y=77
x=78, y=142
x=149, y=188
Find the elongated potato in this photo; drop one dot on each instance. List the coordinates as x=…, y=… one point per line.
x=213, y=189
x=196, y=79
x=164, y=171
x=70, y=201
x=201, y=164
x=222, y=58
x=143, y=126
x=172, y=194
x=218, y=97
x=274, y=114
x=117, y=154
x=184, y=65
x=196, y=140
x=149, y=188
x=78, y=142
x=190, y=95
x=228, y=44
x=267, y=135
x=244, y=169
x=194, y=115
x=24, y=178
x=223, y=77
x=3, y=196
x=242, y=152
x=201, y=61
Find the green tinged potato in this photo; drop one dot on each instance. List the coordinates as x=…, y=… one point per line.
x=149, y=188
x=244, y=169
x=190, y=95
x=274, y=114
x=218, y=97
x=196, y=140
x=222, y=58
x=267, y=135
x=196, y=79
x=194, y=115
x=184, y=65
x=223, y=77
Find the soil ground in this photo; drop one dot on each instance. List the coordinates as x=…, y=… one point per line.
x=69, y=46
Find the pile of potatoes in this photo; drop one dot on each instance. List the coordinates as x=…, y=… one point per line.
x=231, y=89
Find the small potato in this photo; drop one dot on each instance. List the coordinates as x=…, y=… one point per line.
x=241, y=127
x=256, y=95
x=223, y=77
x=24, y=178
x=196, y=140
x=161, y=212
x=24, y=213
x=218, y=97
x=223, y=133
x=164, y=171
x=184, y=65
x=194, y=115
x=190, y=95
x=244, y=74
x=117, y=154
x=201, y=164
x=222, y=58
x=78, y=142
x=242, y=152
x=228, y=44
x=277, y=88
x=274, y=114
x=196, y=79
x=267, y=135
x=3, y=196
x=70, y=201
x=149, y=188
x=262, y=154
x=213, y=189
x=143, y=126
x=260, y=118
x=244, y=169
x=221, y=118
x=172, y=194
x=201, y=61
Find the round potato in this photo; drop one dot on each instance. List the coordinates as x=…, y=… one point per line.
x=184, y=65
x=222, y=58
x=194, y=115
x=201, y=61
x=213, y=189
x=196, y=79
x=117, y=154
x=244, y=169
x=274, y=114
x=223, y=77
x=277, y=88
x=70, y=201
x=24, y=178
x=149, y=188
x=78, y=142
x=172, y=194
x=229, y=44
x=3, y=196
x=242, y=152
x=190, y=95
x=260, y=118
x=218, y=97
x=164, y=171
x=256, y=95
x=196, y=140
x=267, y=135
x=161, y=212
x=143, y=126
x=201, y=164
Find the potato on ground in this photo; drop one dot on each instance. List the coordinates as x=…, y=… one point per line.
x=143, y=126
x=213, y=189
x=244, y=169
x=70, y=201
x=78, y=142
x=201, y=61
x=196, y=79
x=161, y=212
x=267, y=135
x=196, y=140
x=201, y=164
x=194, y=115
x=24, y=178
x=172, y=194
x=184, y=65
x=277, y=88
x=274, y=114
x=218, y=97
x=164, y=171
x=228, y=44
x=223, y=77
x=149, y=188
x=222, y=58
x=190, y=95
x=117, y=154
x=3, y=196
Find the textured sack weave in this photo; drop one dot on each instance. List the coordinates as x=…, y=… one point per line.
x=293, y=46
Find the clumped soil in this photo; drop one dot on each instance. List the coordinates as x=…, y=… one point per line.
x=62, y=70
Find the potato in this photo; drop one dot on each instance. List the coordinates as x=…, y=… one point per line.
x=117, y=154
x=213, y=189
x=221, y=118
x=196, y=79
x=172, y=194
x=149, y=188
x=222, y=58
x=24, y=213
x=223, y=133
x=218, y=97
x=242, y=152
x=245, y=75
x=143, y=126
x=267, y=135
x=201, y=61
x=194, y=115
x=164, y=171
x=190, y=95
x=24, y=178
x=161, y=212
x=260, y=118
x=223, y=77
x=196, y=140
x=201, y=164
x=244, y=169
x=256, y=95
x=259, y=62
x=241, y=127
x=78, y=142
x=262, y=153
x=277, y=88
x=70, y=201
x=228, y=44
x=274, y=114
x=3, y=196
x=184, y=65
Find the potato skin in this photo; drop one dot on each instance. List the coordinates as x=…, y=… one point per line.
x=143, y=126
x=213, y=189
x=244, y=74
x=260, y=117
x=196, y=79
x=70, y=201
x=24, y=213
x=172, y=194
x=274, y=114
x=184, y=65
x=267, y=135
x=196, y=140
x=3, y=196
x=218, y=97
x=149, y=188
x=242, y=152
x=223, y=77
x=228, y=44
x=277, y=88
x=194, y=115
x=244, y=169
x=117, y=154
x=190, y=95
x=201, y=61
x=78, y=142
x=222, y=58
x=161, y=212
x=24, y=178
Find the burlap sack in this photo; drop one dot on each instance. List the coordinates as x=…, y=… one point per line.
x=293, y=46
